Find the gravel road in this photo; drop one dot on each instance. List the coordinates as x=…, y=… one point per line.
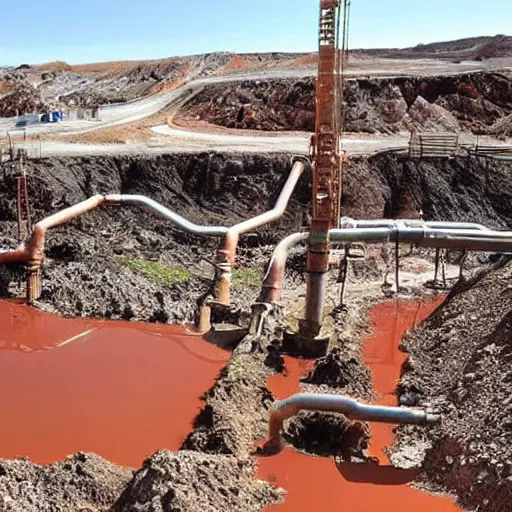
x=168, y=140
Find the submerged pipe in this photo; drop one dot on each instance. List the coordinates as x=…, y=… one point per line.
x=352, y=409
x=227, y=253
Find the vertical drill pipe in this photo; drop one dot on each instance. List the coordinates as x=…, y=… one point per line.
x=316, y=284
x=397, y=263
x=227, y=253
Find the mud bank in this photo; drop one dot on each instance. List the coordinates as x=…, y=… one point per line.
x=82, y=483
x=474, y=102
x=459, y=363
x=128, y=264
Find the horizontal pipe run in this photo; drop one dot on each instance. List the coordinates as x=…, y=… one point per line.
x=20, y=255
x=390, y=223
x=447, y=235
x=178, y=220
x=351, y=408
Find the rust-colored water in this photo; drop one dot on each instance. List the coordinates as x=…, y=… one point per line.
x=122, y=390
x=315, y=483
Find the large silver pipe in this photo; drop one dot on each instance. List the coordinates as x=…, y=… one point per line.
x=465, y=236
x=390, y=223
x=316, y=285
x=468, y=239
x=374, y=235
x=176, y=219
x=351, y=408
x=456, y=225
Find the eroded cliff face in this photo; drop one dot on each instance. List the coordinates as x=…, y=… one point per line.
x=475, y=102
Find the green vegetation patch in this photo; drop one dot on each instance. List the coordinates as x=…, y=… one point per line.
x=157, y=272
x=251, y=276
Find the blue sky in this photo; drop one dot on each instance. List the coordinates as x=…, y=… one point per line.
x=79, y=31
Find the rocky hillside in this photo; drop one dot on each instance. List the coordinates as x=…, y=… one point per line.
x=89, y=85
x=478, y=102
x=477, y=48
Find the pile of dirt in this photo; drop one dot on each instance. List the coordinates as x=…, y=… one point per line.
x=82, y=483
x=268, y=105
x=170, y=482
x=458, y=364
x=236, y=407
x=90, y=85
x=471, y=102
x=22, y=98
x=502, y=129
x=328, y=435
x=346, y=375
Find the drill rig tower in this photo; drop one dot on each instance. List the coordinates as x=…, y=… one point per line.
x=327, y=160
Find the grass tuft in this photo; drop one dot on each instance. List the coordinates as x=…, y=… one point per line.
x=158, y=272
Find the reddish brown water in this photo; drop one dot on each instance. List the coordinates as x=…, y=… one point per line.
x=121, y=390
x=315, y=483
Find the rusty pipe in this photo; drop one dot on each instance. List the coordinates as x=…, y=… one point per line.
x=33, y=252
x=19, y=255
x=272, y=286
x=36, y=242
x=227, y=253
x=234, y=232
x=352, y=409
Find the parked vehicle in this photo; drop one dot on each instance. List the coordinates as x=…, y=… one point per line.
x=27, y=120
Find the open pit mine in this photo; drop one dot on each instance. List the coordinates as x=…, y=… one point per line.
x=259, y=282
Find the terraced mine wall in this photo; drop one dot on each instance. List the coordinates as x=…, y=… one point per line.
x=480, y=103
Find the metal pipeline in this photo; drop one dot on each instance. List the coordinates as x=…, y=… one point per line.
x=347, y=222
x=273, y=281
x=352, y=409
x=33, y=252
x=448, y=235
x=472, y=240
x=178, y=220
x=227, y=253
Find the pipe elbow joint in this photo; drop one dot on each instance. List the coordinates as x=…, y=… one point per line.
x=302, y=159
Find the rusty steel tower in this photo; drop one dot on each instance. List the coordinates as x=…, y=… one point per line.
x=327, y=160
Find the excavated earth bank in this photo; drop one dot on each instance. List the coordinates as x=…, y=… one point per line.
x=87, y=274
x=476, y=102
x=459, y=363
x=94, y=263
